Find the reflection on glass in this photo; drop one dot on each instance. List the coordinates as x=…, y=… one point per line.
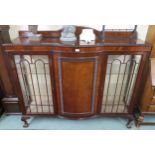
x=34, y=77
x=120, y=80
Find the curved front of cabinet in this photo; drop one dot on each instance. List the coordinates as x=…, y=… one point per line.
x=77, y=84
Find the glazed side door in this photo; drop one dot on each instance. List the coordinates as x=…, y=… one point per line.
x=77, y=78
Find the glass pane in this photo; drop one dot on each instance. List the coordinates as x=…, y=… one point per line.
x=120, y=80
x=34, y=77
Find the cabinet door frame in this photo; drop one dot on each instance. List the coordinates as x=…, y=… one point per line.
x=138, y=82
x=77, y=58
x=17, y=88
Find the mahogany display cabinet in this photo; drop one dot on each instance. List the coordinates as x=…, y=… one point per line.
x=78, y=80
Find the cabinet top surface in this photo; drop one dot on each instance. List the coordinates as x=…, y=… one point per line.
x=50, y=40
x=25, y=41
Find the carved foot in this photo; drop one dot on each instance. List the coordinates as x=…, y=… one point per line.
x=24, y=119
x=129, y=123
x=139, y=120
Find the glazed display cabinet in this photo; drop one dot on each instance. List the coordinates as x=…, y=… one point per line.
x=78, y=80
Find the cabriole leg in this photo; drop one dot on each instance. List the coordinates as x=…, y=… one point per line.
x=139, y=120
x=24, y=119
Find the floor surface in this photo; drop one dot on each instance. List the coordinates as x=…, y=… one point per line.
x=13, y=122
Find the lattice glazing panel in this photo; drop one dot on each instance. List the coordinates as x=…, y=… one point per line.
x=34, y=77
x=120, y=80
